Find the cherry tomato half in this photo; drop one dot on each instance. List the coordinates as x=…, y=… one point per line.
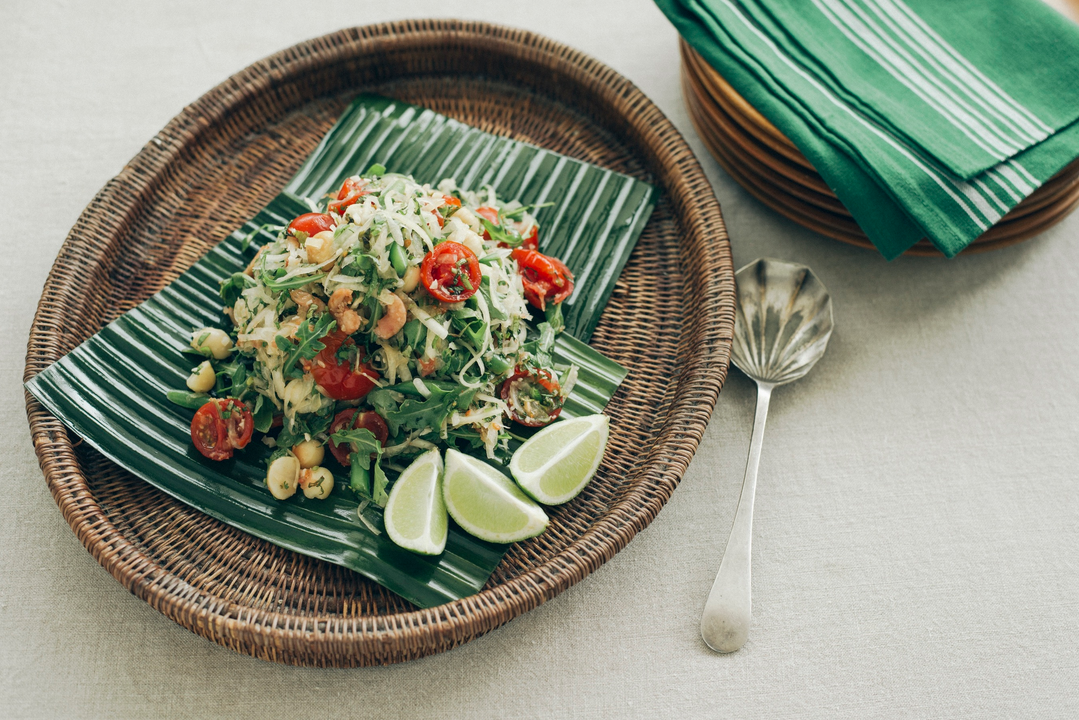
x=310, y=223
x=451, y=272
x=221, y=426
x=490, y=214
x=350, y=418
x=341, y=379
x=530, y=240
x=351, y=190
x=546, y=279
x=533, y=397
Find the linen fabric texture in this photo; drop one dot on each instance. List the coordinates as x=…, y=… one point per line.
x=927, y=119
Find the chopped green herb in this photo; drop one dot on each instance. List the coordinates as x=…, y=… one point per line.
x=307, y=344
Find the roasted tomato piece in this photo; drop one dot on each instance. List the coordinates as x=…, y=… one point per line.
x=341, y=374
x=530, y=240
x=451, y=272
x=221, y=426
x=546, y=279
x=533, y=397
x=311, y=224
x=351, y=418
x=351, y=190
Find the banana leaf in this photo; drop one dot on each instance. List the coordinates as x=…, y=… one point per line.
x=111, y=390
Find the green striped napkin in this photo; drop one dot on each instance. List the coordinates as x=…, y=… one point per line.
x=926, y=118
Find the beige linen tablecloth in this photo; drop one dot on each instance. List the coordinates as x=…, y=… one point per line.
x=916, y=549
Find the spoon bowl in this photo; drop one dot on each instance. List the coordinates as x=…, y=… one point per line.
x=783, y=321
x=781, y=329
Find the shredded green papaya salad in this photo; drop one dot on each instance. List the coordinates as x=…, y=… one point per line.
x=393, y=319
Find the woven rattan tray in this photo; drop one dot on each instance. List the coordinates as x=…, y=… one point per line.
x=670, y=322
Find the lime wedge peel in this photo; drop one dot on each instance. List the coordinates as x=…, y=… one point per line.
x=486, y=503
x=555, y=464
x=415, y=515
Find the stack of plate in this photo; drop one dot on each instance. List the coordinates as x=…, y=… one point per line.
x=771, y=168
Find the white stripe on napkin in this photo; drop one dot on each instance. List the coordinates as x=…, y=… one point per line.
x=965, y=189
x=869, y=38
x=999, y=180
x=942, y=79
x=962, y=72
x=915, y=76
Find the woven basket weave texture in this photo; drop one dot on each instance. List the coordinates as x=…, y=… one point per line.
x=670, y=322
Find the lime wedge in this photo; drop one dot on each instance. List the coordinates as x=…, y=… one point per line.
x=486, y=503
x=415, y=513
x=555, y=464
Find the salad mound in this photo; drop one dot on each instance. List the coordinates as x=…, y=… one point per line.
x=392, y=319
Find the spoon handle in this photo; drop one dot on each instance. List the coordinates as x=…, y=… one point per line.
x=729, y=609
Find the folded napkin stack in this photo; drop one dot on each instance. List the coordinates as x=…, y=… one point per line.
x=928, y=118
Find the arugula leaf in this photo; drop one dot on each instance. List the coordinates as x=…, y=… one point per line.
x=360, y=482
x=365, y=445
x=469, y=440
x=234, y=286
x=263, y=414
x=363, y=442
x=453, y=362
x=359, y=264
x=554, y=317
x=496, y=312
x=307, y=344
x=231, y=378
x=379, y=487
x=414, y=412
x=499, y=234
x=311, y=424
x=415, y=334
x=517, y=213
x=540, y=348
x=470, y=324
x=246, y=242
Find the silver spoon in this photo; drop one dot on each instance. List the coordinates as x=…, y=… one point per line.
x=781, y=329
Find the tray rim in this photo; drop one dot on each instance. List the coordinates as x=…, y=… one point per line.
x=381, y=639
